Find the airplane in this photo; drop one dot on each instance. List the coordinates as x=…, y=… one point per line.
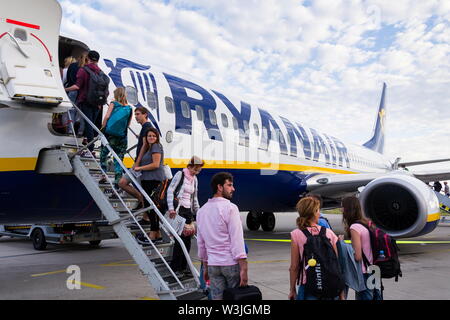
x=275, y=159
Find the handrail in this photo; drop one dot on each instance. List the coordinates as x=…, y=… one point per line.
x=149, y=200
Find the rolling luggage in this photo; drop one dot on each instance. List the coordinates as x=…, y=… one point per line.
x=242, y=293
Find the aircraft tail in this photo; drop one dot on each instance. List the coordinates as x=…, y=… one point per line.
x=376, y=143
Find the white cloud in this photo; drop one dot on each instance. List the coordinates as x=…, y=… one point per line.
x=323, y=64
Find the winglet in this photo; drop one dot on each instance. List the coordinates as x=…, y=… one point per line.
x=376, y=143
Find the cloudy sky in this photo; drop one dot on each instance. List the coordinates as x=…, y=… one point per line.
x=319, y=61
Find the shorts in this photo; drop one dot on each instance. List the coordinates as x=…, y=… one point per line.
x=223, y=277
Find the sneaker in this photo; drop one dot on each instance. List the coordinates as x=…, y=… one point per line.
x=179, y=274
x=86, y=154
x=142, y=240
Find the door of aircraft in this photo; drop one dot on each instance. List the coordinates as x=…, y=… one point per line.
x=29, y=68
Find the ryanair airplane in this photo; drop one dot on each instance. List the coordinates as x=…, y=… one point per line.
x=274, y=159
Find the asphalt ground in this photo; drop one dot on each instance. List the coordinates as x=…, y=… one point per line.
x=108, y=273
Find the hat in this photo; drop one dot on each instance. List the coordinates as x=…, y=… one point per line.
x=94, y=55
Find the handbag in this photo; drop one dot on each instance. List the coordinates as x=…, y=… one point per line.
x=189, y=229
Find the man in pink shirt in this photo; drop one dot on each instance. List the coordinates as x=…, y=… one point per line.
x=220, y=239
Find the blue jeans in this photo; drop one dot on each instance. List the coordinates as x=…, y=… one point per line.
x=369, y=294
x=223, y=277
x=91, y=112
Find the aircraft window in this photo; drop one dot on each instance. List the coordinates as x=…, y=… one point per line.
x=169, y=105
x=185, y=109
x=132, y=95
x=235, y=124
x=169, y=136
x=255, y=126
x=151, y=100
x=212, y=117
x=200, y=113
x=224, y=120
x=246, y=126
x=20, y=34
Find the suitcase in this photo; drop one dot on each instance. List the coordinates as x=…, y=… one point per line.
x=242, y=293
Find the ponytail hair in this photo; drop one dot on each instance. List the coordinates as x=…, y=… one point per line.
x=307, y=209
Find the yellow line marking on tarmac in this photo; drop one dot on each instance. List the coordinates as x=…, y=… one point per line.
x=89, y=285
x=48, y=273
x=148, y=298
x=269, y=261
x=348, y=241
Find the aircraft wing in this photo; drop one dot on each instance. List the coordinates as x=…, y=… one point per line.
x=429, y=176
x=337, y=185
x=418, y=163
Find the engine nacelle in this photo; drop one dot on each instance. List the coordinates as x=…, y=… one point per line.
x=401, y=205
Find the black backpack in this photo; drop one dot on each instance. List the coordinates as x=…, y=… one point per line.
x=323, y=280
x=389, y=264
x=97, y=92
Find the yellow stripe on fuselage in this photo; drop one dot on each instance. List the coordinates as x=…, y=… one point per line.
x=224, y=164
x=29, y=164
x=17, y=164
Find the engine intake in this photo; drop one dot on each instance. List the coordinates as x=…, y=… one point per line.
x=399, y=204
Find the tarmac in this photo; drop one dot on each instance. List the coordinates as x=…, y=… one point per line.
x=108, y=273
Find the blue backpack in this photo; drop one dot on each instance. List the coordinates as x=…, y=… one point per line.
x=118, y=122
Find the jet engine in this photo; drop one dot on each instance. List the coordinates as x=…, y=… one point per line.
x=401, y=205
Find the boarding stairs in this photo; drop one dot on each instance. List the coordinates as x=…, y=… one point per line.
x=444, y=204
x=152, y=258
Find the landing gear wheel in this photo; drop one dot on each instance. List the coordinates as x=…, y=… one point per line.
x=38, y=239
x=95, y=243
x=253, y=220
x=268, y=221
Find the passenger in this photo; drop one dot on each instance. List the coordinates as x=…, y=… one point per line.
x=437, y=186
x=309, y=213
x=151, y=166
x=82, y=85
x=446, y=189
x=183, y=190
x=323, y=221
x=352, y=218
x=72, y=71
x=141, y=116
x=67, y=62
x=115, y=126
x=220, y=239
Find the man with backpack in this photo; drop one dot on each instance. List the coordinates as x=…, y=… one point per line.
x=92, y=85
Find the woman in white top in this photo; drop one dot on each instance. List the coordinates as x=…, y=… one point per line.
x=182, y=196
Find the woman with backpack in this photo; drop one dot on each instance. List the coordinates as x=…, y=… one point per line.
x=355, y=228
x=182, y=197
x=314, y=264
x=115, y=127
x=150, y=163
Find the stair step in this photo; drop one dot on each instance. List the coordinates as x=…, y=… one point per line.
x=130, y=203
x=189, y=283
x=165, y=249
